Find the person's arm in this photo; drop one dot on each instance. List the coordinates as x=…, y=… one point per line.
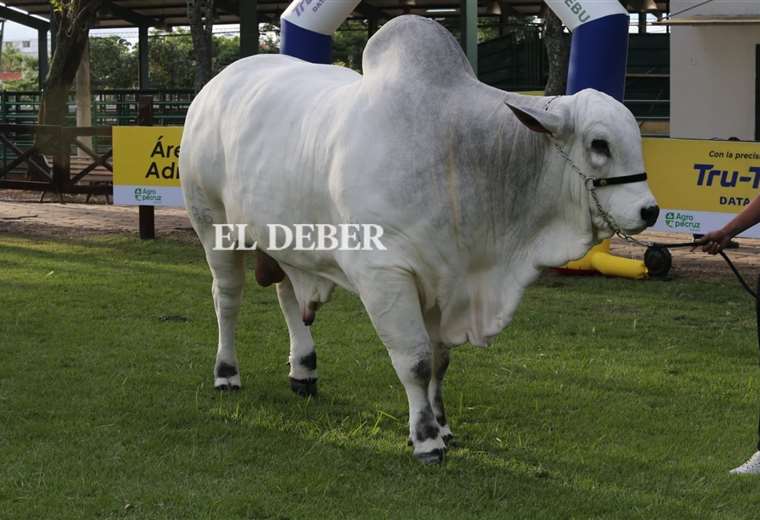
x=717, y=240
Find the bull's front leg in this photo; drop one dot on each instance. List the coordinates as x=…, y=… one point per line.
x=393, y=305
x=435, y=389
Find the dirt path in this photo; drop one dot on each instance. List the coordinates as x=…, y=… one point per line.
x=22, y=214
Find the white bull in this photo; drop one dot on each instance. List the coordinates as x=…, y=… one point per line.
x=474, y=198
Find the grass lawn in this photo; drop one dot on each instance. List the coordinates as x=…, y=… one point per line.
x=606, y=398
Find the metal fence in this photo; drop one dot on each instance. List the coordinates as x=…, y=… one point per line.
x=109, y=107
x=518, y=62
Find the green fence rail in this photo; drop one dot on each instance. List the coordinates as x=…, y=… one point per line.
x=518, y=62
x=109, y=107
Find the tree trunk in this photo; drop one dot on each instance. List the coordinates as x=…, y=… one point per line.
x=201, y=15
x=74, y=21
x=557, y=45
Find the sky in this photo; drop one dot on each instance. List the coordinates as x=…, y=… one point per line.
x=16, y=32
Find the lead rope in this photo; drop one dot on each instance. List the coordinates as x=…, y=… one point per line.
x=588, y=182
x=757, y=321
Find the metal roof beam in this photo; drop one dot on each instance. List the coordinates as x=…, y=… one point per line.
x=369, y=11
x=140, y=20
x=228, y=6
x=509, y=9
x=23, y=18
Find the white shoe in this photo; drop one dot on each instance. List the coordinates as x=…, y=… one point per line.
x=751, y=467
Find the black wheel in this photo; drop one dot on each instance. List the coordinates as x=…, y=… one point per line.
x=658, y=261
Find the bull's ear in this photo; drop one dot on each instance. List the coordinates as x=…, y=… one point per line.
x=537, y=120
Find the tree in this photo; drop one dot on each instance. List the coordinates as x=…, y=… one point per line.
x=201, y=16
x=14, y=61
x=226, y=51
x=348, y=46
x=557, y=45
x=171, y=60
x=74, y=19
x=113, y=63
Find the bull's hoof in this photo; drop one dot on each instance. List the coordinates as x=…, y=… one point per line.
x=226, y=387
x=304, y=387
x=448, y=439
x=223, y=384
x=430, y=457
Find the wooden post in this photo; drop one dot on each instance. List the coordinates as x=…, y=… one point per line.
x=147, y=222
x=143, y=61
x=61, y=160
x=147, y=213
x=84, y=98
x=42, y=57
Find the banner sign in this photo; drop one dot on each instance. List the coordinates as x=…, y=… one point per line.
x=701, y=185
x=146, y=166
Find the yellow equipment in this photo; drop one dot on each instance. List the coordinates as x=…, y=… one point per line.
x=599, y=259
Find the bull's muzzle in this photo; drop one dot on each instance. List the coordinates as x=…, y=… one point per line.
x=649, y=215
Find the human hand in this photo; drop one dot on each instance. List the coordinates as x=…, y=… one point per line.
x=716, y=241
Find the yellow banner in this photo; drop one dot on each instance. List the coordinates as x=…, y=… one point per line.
x=703, y=176
x=146, y=155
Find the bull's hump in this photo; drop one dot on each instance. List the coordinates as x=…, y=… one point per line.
x=415, y=49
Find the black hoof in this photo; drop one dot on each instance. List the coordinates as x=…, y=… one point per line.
x=409, y=442
x=304, y=387
x=430, y=457
x=448, y=439
x=227, y=388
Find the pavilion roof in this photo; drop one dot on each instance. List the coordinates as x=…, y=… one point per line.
x=168, y=13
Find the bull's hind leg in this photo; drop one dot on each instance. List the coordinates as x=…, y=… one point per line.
x=303, y=357
x=228, y=270
x=393, y=306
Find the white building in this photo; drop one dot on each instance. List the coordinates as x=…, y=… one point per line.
x=26, y=47
x=715, y=69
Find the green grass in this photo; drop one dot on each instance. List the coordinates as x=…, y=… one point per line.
x=606, y=398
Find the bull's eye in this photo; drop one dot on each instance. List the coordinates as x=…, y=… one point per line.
x=601, y=147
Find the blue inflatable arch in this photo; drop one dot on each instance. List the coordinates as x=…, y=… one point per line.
x=597, y=57
x=306, y=27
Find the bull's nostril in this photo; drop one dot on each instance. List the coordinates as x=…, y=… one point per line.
x=650, y=214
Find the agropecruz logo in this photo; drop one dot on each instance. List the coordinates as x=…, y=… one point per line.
x=147, y=195
x=682, y=221
x=302, y=237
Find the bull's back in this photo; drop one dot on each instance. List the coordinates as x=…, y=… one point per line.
x=244, y=132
